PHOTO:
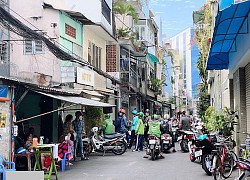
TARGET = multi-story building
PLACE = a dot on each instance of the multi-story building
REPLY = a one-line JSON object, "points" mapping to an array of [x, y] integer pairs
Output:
{"points": [[138, 60], [186, 57], [58, 53], [230, 51]]}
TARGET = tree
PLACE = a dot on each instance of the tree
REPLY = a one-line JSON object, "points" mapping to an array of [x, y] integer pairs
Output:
{"points": [[124, 9], [203, 39]]}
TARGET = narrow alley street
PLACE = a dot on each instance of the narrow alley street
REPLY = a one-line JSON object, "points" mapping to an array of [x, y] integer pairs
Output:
{"points": [[132, 165]]}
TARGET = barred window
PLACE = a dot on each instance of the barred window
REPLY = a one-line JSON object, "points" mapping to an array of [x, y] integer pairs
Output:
{"points": [[33, 47], [106, 11]]}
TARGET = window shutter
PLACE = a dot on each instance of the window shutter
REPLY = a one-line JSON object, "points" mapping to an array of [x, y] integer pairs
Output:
{"points": [[28, 47], [100, 58], [38, 47]]}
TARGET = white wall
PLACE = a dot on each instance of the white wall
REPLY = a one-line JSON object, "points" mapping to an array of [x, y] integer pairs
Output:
{"points": [[28, 67]]}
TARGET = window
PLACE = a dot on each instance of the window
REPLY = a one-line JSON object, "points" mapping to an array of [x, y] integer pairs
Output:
{"points": [[69, 30], [89, 53], [3, 52], [33, 47], [100, 58], [106, 11], [94, 55], [140, 32]]}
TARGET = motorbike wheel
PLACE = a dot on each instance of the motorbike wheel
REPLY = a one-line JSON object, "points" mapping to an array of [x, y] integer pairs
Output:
{"points": [[192, 157], [184, 145], [153, 154], [206, 161], [121, 144], [235, 158]]}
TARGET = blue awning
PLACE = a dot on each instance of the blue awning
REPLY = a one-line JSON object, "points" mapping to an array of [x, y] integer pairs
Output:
{"points": [[152, 58], [229, 23]]}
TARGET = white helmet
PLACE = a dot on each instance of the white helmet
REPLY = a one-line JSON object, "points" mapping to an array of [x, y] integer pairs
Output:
{"points": [[166, 116]]}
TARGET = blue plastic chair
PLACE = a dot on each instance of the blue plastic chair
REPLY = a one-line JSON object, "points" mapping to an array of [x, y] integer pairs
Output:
{"points": [[65, 159], [3, 163]]}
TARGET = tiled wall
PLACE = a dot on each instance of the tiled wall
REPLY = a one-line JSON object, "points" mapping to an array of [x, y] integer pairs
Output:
{"points": [[111, 58]]}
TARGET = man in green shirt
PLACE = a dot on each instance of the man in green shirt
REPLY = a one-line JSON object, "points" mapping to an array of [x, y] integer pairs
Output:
{"points": [[154, 128], [140, 133], [109, 127]]}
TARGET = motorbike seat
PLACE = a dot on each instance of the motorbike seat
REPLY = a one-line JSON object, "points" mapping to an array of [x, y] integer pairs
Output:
{"points": [[218, 144], [243, 145], [112, 136]]}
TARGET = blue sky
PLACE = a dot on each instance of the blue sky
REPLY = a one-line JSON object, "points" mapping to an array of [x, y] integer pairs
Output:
{"points": [[176, 15]]}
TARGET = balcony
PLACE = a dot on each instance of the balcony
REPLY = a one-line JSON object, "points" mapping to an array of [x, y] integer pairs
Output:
{"points": [[129, 77]]}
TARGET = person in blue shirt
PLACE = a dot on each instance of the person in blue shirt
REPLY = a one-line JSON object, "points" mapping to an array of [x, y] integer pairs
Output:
{"points": [[133, 128]]}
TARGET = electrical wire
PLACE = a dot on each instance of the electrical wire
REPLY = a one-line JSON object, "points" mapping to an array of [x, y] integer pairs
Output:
{"points": [[16, 26]]}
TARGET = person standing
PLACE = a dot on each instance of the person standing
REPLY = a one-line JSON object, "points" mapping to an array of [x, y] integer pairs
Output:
{"points": [[140, 133], [185, 123], [124, 124], [78, 125], [133, 128]]}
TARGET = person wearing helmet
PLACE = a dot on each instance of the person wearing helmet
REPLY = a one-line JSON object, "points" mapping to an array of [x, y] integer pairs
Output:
{"points": [[108, 125], [133, 127], [167, 129], [118, 122], [140, 133], [154, 128]]}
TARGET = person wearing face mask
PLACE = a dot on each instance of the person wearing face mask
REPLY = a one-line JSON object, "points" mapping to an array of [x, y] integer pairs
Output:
{"points": [[78, 125]]}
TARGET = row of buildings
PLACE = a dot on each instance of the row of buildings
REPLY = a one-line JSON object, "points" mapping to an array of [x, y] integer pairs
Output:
{"points": [[228, 61], [58, 57]]}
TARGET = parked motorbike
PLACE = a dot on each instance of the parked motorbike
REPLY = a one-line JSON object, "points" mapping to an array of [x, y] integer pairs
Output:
{"points": [[244, 166], [154, 147], [166, 142], [187, 137], [114, 142], [175, 131]]}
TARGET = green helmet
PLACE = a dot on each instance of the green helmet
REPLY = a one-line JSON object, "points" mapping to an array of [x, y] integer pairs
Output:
{"points": [[141, 114], [155, 117], [106, 116]]}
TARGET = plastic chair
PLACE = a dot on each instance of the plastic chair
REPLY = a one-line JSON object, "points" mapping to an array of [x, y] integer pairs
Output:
{"points": [[3, 163], [65, 159]]}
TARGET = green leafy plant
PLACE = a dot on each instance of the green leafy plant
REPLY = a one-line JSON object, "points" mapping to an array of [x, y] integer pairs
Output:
{"points": [[124, 9], [203, 40], [94, 117], [157, 84], [219, 121]]}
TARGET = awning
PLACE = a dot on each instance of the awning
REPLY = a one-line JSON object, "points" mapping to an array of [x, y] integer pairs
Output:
{"points": [[229, 23], [77, 100], [152, 58]]}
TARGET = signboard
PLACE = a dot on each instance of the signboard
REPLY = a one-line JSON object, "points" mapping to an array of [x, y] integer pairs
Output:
{"points": [[85, 77], [67, 74], [3, 91]]}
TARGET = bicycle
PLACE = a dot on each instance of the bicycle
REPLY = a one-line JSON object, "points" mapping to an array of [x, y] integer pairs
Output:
{"points": [[223, 160]]}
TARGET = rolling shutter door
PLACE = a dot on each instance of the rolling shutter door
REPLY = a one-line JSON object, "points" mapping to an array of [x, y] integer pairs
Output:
{"points": [[247, 74]]}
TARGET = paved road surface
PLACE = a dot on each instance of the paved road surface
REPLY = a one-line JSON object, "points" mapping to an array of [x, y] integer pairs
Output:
{"points": [[132, 165]]}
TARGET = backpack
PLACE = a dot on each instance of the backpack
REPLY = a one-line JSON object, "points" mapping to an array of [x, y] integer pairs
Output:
{"points": [[165, 127]]}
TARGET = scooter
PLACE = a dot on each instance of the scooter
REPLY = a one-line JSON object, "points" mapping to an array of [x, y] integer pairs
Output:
{"points": [[114, 143], [186, 140], [166, 142], [175, 131], [244, 166], [154, 147]]}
